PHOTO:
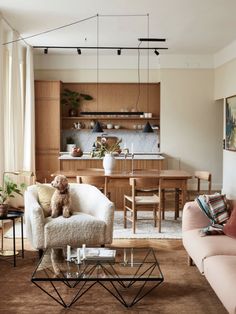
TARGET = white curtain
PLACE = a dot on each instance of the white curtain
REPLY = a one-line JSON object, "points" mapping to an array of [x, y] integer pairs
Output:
{"points": [[14, 110], [1, 105], [29, 127], [16, 104]]}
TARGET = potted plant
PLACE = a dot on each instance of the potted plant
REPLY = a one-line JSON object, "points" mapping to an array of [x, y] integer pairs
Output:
{"points": [[73, 99], [70, 144], [7, 191], [105, 151]]}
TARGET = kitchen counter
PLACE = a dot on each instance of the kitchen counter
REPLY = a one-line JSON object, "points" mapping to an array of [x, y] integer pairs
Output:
{"points": [[137, 156]]}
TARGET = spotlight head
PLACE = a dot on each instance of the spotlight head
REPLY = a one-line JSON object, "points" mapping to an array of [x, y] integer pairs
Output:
{"points": [[119, 52], [45, 51], [79, 51], [156, 52]]}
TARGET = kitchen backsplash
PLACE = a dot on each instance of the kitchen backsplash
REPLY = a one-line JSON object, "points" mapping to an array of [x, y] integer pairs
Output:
{"points": [[142, 142]]}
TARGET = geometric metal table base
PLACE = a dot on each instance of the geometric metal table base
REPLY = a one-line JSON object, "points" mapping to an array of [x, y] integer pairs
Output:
{"points": [[127, 281]]}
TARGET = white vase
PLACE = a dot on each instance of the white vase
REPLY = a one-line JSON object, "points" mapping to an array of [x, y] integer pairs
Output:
{"points": [[108, 163], [70, 147]]}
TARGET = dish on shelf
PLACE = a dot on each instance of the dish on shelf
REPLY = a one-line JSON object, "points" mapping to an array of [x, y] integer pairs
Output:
{"points": [[117, 127]]}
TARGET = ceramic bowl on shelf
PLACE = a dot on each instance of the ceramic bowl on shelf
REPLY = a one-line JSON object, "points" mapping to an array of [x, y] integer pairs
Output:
{"points": [[117, 127], [109, 126]]}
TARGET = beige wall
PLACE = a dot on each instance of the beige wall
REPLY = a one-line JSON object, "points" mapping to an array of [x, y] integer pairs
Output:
{"points": [[225, 86], [191, 122]]}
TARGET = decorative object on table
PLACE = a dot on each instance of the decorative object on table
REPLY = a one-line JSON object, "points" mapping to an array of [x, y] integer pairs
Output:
{"points": [[61, 201], [230, 126], [7, 191], [107, 150], [76, 152], [106, 145], [73, 99], [70, 143]]}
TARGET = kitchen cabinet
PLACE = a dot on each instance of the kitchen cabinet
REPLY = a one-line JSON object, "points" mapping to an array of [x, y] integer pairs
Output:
{"points": [[47, 125]]}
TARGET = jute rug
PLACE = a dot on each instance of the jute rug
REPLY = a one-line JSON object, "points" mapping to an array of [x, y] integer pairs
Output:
{"points": [[171, 228], [184, 290]]}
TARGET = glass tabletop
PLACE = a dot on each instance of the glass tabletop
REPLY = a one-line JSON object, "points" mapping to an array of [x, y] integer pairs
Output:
{"points": [[137, 264]]}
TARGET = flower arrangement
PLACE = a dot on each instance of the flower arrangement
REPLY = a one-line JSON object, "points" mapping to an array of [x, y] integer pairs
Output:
{"points": [[102, 147]]}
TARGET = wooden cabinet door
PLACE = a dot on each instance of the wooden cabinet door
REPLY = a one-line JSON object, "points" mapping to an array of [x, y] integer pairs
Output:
{"points": [[47, 124]]}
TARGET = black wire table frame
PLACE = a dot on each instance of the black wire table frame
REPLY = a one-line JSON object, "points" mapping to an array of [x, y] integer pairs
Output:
{"points": [[141, 282], [13, 215]]}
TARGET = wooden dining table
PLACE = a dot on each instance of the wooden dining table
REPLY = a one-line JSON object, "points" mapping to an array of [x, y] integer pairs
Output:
{"points": [[168, 179]]}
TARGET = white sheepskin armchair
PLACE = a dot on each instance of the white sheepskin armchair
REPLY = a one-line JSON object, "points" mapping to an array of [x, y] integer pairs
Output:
{"points": [[91, 222]]}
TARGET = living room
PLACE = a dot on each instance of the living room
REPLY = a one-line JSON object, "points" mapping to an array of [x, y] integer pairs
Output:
{"points": [[154, 83]]}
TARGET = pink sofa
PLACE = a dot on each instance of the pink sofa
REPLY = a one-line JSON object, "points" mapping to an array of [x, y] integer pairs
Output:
{"points": [[215, 256]]}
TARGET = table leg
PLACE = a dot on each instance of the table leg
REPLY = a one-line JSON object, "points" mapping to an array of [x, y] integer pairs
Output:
{"points": [[22, 238], [14, 241], [176, 203], [184, 192], [2, 238], [106, 186]]}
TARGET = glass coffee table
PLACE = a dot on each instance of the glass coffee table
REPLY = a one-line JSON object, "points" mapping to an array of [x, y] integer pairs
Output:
{"points": [[129, 277]]}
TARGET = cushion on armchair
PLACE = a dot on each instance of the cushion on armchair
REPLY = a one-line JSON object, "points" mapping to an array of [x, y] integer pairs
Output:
{"points": [[45, 193], [230, 226]]}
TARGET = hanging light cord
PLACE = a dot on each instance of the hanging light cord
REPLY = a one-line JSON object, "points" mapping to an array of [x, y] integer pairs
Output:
{"points": [[51, 30], [139, 87], [97, 56], [148, 63]]}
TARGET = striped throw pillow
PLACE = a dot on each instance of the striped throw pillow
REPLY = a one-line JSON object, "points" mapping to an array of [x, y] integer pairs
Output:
{"points": [[218, 207]]}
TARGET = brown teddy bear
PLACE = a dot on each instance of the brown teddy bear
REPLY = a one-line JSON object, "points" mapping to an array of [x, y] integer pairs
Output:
{"points": [[61, 201]]}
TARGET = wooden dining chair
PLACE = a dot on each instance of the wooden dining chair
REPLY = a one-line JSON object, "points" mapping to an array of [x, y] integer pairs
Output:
{"points": [[201, 176], [98, 181], [150, 202]]}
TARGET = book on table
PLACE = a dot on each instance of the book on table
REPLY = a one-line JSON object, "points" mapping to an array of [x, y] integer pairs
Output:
{"points": [[96, 254]]}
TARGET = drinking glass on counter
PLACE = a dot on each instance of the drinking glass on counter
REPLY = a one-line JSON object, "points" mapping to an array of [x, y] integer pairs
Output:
{"points": [[125, 151]]}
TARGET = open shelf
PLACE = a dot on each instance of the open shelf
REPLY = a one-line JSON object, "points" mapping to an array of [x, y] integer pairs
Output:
{"points": [[108, 118]]}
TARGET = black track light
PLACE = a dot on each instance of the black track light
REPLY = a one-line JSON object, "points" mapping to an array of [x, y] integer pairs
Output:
{"points": [[79, 51], [156, 52], [45, 51], [119, 52]]}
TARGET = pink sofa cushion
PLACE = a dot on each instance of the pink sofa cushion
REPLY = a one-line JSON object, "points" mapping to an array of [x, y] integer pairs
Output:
{"points": [[220, 272], [201, 247], [230, 226], [193, 217]]}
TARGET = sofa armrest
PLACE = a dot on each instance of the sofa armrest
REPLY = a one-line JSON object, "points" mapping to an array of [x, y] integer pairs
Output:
{"points": [[35, 220], [193, 217]]}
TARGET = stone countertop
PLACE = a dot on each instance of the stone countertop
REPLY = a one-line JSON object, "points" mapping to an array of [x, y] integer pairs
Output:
{"points": [[137, 156]]}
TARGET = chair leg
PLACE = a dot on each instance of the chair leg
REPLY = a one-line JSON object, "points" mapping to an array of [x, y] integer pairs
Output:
{"points": [[159, 218], [102, 245], [134, 217], [163, 204], [125, 213], [190, 261], [40, 252], [155, 215]]}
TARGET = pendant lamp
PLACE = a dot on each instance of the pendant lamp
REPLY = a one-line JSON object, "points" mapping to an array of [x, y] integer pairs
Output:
{"points": [[147, 128], [97, 128]]}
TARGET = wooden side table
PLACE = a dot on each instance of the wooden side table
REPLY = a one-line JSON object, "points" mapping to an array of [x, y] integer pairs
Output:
{"points": [[13, 215]]}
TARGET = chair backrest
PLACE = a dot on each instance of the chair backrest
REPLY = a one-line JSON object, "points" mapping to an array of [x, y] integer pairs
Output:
{"points": [[99, 182], [43, 176], [203, 175], [144, 185]]}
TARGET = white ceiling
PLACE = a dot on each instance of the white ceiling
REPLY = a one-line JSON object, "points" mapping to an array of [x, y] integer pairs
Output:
{"points": [[190, 26]]}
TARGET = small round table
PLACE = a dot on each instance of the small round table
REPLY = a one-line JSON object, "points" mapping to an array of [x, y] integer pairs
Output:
{"points": [[13, 215]]}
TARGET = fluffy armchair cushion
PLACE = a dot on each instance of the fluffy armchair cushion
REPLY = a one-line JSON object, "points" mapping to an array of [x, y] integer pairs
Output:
{"points": [[45, 193]]}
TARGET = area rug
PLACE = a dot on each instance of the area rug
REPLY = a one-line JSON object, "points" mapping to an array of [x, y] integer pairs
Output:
{"points": [[170, 228], [184, 290]]}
